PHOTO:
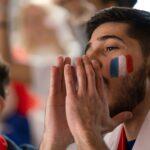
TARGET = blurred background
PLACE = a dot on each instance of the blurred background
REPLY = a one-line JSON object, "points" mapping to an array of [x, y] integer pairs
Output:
{"points": [[32, 34]]}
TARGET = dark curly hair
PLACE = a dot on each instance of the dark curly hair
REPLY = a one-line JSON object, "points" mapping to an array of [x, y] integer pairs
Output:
{"points": [[4, 78]]}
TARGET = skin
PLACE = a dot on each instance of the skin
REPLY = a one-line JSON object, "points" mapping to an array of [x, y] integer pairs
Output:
{"points": [[114, 47], [105, 49], [84, 132], [57, 134], [88, 99], [81, 110]]}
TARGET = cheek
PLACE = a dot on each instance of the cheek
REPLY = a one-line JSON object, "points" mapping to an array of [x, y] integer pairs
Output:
{"points": [[119, 66]]}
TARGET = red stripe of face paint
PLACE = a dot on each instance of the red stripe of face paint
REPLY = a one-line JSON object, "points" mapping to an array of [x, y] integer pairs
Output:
{"points": [[129, 63]]}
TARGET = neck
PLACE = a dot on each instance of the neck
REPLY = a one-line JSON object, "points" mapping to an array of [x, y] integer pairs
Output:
{"points": [[132, 127]]}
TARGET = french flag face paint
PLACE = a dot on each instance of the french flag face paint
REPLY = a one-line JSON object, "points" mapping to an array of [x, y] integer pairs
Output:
{"points": [[121, 66]]}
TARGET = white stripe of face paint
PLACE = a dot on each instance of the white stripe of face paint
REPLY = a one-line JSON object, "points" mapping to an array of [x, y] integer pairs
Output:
{"points": [[122, 66]]}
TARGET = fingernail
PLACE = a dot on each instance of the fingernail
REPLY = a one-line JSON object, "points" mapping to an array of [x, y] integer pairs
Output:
{"points": [[67, 66], [94, 61], [67, 60], [60, 59]]}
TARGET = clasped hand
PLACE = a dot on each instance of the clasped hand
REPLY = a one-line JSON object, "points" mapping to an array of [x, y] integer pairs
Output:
{"points": [[77, 108]]}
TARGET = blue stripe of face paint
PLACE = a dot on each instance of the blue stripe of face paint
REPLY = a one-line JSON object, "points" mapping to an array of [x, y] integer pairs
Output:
{"points": [[114, 67]]}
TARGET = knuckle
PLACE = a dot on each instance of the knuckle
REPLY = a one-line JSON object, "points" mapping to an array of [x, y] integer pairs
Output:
{"points": [[82, 94], [90, 71], [92, 94], [81, 73], [70, 95]]}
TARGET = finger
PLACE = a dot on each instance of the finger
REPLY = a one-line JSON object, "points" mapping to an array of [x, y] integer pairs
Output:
{"points": [[121, 117], [69, 81], [74, 75], [60, 61], [54, 88], [81, 76], [54, 81], [66, 61], [90, 74], [99, 79], [60, 65]]}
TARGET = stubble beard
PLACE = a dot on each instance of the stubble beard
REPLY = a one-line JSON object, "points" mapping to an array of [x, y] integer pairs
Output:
{"points": [[129, 93]]}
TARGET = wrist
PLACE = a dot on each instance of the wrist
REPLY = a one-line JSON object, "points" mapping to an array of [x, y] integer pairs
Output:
{"points": [[91, 140], [50, 142]]}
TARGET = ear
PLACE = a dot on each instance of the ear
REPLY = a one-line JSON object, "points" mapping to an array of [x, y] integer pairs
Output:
{"points": [[2, 104]]}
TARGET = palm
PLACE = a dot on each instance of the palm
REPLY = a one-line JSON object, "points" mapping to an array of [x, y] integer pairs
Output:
{"points": [[87, 107], [56, 123]]}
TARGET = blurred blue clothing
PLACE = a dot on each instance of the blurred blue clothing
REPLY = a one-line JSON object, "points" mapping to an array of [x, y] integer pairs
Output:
{"points": [[13, 146], [130, 144], [17, 129]]}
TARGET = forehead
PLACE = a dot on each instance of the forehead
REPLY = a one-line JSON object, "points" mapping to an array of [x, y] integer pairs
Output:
{"points": [[111, 28]]}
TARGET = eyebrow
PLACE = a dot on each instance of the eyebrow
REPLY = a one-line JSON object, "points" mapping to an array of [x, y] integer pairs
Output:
{"points": [[104, 38]]}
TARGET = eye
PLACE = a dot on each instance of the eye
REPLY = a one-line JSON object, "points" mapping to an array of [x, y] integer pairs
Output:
{"points": [[111, 48]]}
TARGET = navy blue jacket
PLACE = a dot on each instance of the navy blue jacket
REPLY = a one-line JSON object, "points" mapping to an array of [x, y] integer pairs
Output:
{"points": [[13, 146]]}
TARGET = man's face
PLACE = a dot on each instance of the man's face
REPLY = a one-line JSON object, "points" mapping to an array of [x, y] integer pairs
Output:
{"points": [[111, 40]]}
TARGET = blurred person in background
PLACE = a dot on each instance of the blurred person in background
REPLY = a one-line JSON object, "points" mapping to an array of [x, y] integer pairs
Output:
{"points": [[21, 101], [61, 18], [39, 44], [30, 57], [79, 12], [37, 38], [101, 4]]}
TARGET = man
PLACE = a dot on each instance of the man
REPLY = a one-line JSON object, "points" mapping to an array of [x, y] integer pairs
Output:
{"points": [[83, 114], [101, 4], [107, 87]]}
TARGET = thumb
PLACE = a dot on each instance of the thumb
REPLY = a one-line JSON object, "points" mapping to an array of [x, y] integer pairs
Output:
{"points": [[122, 117]]}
